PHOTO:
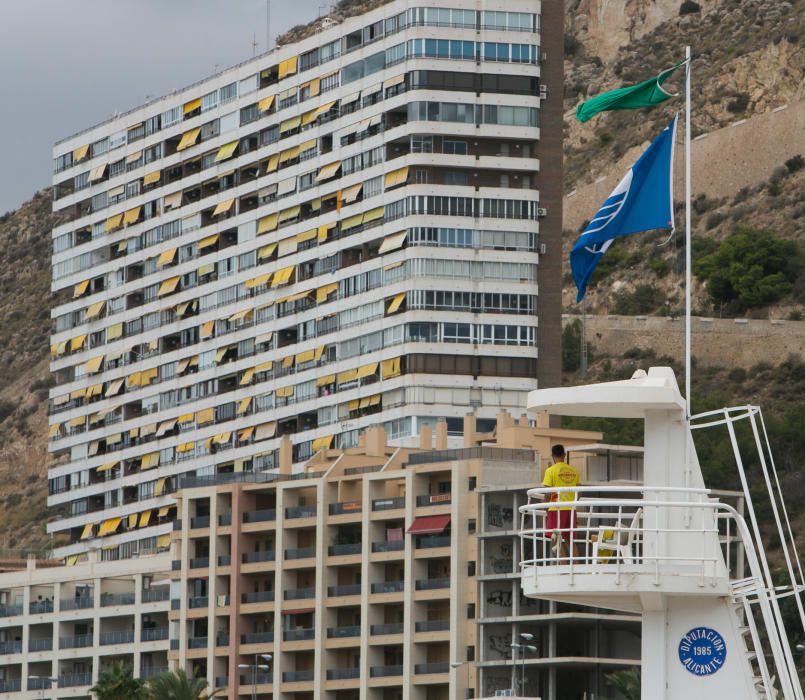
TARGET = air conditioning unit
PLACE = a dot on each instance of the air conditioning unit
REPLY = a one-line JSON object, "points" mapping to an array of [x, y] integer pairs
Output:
{"points": [[543, 92], [541, 211], [543, 249]]}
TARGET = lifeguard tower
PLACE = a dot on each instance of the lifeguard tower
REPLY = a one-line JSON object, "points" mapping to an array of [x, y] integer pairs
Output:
{"points": [[712, 625]]}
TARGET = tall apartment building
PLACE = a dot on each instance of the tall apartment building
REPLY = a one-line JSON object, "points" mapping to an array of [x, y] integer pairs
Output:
{"points": [[361, 227], [380, 572]]}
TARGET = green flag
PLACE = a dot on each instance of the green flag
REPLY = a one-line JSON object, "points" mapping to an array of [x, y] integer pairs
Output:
{"points": [[645, 94]]}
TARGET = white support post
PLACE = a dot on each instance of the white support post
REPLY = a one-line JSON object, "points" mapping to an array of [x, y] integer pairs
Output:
{"points": [[688, 251]]}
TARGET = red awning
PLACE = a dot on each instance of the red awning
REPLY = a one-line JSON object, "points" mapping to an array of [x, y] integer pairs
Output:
{"points": [[299, 611], [429, 525]]}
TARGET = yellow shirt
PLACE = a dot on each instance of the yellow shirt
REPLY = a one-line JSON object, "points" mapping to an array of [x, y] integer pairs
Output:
{"points": [[561, 474]]}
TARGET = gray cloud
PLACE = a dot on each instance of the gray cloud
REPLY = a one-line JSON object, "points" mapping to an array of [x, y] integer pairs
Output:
{"points": [[68, 64]]}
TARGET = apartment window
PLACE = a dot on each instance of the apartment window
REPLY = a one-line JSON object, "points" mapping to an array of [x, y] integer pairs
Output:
{"points": [[228, 93], [455, 177], [454, 147], [172, 116], [471, 653], [152, 125], [470, 568], [471, 525], [329, 82], [209, 101], [421, 176], [330, 51], [249, 114], [249, 84], [470, 611]]}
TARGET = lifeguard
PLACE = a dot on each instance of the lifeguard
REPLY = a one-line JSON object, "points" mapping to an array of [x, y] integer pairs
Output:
{"points": [[562, 520]]}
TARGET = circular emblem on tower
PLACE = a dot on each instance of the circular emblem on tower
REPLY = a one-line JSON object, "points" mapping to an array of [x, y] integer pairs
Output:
{"points": [[702, 651]]}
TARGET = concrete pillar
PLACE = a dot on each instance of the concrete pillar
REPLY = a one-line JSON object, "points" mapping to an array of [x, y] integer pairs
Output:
{"points": [[523, 420], [375, 441], [504, 420], [543, 420], [441, 435], [286, 456], [425, 438], [469, 430]]}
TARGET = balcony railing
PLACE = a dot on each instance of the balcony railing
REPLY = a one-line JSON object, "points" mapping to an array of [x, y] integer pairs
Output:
{"points": [[388, 503], [79, 603], [151, 671], [428, 584], [346, 508], [432, 626], [155, 595], [118, 637], [260, 516], [225, 519], [222, 640], [45, 644], [420, 669], [439, 499], [257, 597], [340, 550], [176, 604], [299, 593], [10, 647], [300, 553], [258, 679], [351, 589], [432, 541], [199, 522], [197, 642], [300, 512], [199, 602], [39, 683], [41, 606], [73, 680], [388, 587], [298, 635], [339, 674], [77, 642], [341, 632], [297, 676], [10, 610], [388, 546], [108, 599], [224, 560], [393, 628], [177, 525], [257, 638], [200, 563], [12, 685], [385, 671], [153, 634], [253, 557]]}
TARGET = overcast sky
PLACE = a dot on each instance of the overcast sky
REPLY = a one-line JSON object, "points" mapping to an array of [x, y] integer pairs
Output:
{"points": [[68, 64]]}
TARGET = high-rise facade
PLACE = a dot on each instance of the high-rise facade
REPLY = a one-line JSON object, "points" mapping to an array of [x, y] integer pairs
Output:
{"points": [[346, 231]]}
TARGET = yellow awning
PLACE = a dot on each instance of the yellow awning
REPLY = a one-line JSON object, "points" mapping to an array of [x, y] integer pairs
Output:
{"points": [[166, 257], [324, 381], [325, 291], [78, 422], [188, 139], [396, 177], [226, 151], [318, 352], [393, 241], [240, 315], [244, 404], [308, 117], [72, 560], [395, 303], [323, 109], [114, 438], [106, 467], [122, 246], [94, 310], [163, 540], [306, 356], [282, 276], [114, 387], [145, 516], [186, 447], [290, 213], [265, 431], [192, 106], [272, 163], [94, 365], [147, 430], [245, 434], [205, 416], [80, 289], [349, 375], [351, 222], [374, 214], [286, 363], [223, 207], [265, 366], [328, 171], [323, 231], [149, 461], [286, 67], [207, 269], [132, 215], [285, 391], [114, 332], [61, 400], [246, 379], [53, 430], [353, 405], [267, 223], [133, 157], [97, 172], [113, 223], [171, 201], [322, 443], [222, 438], [152, 177], [207, 329], [208, 241], [396, 80], [306, 236], [109, 526], [314, 85], [265, 104], [86, 533], [258, 281], [159, 487], [291, 123], [78, 342], [266, 251], [80, 153], [220, 353], [166, 426], [390, 368], [367, 370], [289, 154], [168, 286], [350, 194]]}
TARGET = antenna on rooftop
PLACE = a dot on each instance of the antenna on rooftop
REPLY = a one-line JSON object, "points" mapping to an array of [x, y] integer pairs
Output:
{"points": [[254, 45], [268, 26]]}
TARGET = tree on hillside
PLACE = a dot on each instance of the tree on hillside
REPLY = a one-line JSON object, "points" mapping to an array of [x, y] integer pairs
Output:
{"points": [[119, 683]]}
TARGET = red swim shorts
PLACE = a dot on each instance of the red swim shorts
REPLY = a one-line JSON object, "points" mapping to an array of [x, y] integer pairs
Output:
{"points": [[567, 522]]}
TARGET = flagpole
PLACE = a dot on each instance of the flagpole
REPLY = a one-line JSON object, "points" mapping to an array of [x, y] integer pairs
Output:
{"points": [[688, 249]]}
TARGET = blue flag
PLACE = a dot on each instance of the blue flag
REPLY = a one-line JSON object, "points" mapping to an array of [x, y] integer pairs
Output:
{"points": [[642, 201]]}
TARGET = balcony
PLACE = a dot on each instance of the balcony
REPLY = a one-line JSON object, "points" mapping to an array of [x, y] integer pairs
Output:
{"points": [[257, 597], [177, 525], [300, 512], [199, 602], [300, 553], [393, 628], [439, 499], [421, 669], [221, 681], [10, 647], [341, 550], [151, 671], [197, 642], [155, 595], [225, 519], [222, 639], [260, 516], [299, 594], [429, 584], [432, 541], [253, 557], [74, 680], [12, 685], [352, 589], [79, 603], [10, 610], [385, 671], [388, 587], [432, 626], [200, 563], [297, 676], [45, 644], [257, 638], [174, 644], [388, 503], [176, 565], [388, 546], [201, 521], [108, 599], [340, 674], [341, 632], [77, 642], [298, 635], [153, 634], [346, 508], [119, 637], [256, 679], [37, 683], [224, 560], [176, 604], [40, 607]]}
